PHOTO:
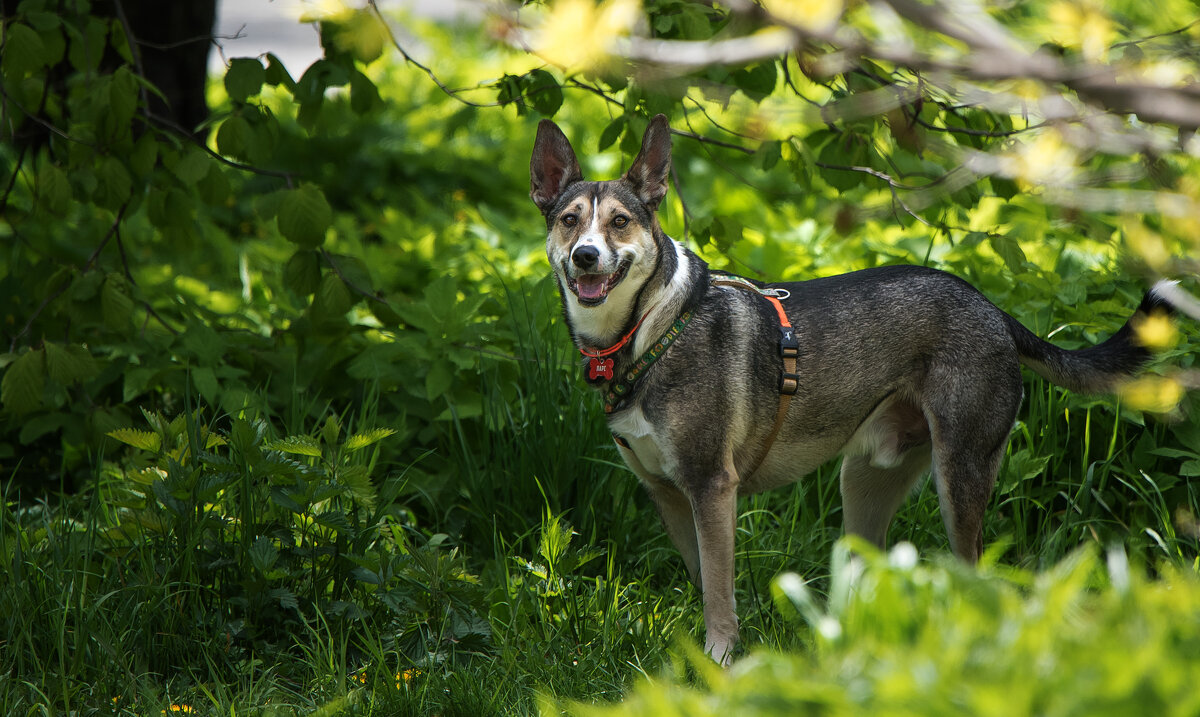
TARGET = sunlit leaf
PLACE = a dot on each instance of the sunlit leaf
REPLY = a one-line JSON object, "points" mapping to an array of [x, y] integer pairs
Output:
{"points": [[296, 445], [362, 34], [362, 440], [578, 33], [143, 440]]}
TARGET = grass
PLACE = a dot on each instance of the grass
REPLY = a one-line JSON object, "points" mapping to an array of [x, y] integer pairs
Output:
{"points": [[537, 577]]}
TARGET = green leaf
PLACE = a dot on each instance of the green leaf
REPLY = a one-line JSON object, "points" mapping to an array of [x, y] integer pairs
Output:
{"points": [[284, 500], [726, 232], [364, 96], [69, 364], [612, 133], [304, 215], [122, 102], [358, 481], [24, 51], [115, 183], [286, 598], [192, 166], [244, 78], [87, 47], [21, 388], [509, 91], [330, 303], [39, 425], [145, 153], [331, 430], [362, 440], [120, 43], [543, 92], [205, 381], [302, 273], [116, 306], [170, 209], [263, 554], [277, 74], [214, 187], [54, 189], [438, 380], [840, 154], [296, 445], [142, 440], [756, 81], [363, 35], [769, 154], [1010, 251], [234, 136]]}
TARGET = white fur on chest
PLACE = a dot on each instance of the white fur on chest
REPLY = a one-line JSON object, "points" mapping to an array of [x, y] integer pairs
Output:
{"points": [[649, 448]]}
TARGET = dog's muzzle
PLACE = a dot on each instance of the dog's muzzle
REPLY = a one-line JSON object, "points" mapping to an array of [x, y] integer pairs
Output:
{"points": [[592, 287]]}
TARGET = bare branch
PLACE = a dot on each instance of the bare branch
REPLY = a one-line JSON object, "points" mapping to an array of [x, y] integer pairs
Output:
{"points": [[993, 54], [413, 61]]}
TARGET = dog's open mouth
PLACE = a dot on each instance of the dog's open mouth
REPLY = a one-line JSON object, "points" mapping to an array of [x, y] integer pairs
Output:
{"points": [[593, 289]]}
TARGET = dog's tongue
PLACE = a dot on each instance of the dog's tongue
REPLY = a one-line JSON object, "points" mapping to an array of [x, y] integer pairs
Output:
{"points": [[591, 286]]}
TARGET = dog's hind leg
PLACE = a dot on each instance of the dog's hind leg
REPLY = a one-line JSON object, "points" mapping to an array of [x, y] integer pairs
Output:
{"points": [[964, 487], [871, 495], [970, 431]]}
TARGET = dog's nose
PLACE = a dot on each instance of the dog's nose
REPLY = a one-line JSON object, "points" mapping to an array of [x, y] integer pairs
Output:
{"points": [[586, 257]]}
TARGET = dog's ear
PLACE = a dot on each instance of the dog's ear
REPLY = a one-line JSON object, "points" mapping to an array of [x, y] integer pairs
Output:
{"points": [[553, 167], [648, 174]]}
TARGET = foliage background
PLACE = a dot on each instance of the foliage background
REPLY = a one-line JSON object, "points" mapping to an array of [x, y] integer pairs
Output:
{"points": [[289, 421]]}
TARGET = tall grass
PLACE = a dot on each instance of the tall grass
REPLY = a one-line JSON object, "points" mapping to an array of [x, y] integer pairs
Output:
{"points": [[545, 576]]}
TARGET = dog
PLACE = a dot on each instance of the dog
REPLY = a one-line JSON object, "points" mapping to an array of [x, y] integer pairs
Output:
{"points": [[717, 386]]}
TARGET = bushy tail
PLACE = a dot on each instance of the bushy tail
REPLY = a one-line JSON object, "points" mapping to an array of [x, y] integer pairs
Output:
{"points": [[1099, 368]]}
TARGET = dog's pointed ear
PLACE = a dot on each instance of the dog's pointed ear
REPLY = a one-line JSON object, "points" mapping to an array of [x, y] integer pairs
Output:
{"points": [[649, 171], [553, 167]]}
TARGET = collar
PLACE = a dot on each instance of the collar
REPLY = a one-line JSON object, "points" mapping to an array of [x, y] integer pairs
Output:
{"points": [[619, 389]]}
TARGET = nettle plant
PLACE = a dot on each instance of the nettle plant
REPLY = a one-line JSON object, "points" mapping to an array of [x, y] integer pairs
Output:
{"points": [[275, 526]]}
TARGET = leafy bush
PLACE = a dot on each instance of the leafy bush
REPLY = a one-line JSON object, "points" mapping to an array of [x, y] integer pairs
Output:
{"points": [[894, 636]]}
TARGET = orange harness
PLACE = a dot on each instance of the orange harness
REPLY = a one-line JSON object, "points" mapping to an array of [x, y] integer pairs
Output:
{"points": [[789, 351]]}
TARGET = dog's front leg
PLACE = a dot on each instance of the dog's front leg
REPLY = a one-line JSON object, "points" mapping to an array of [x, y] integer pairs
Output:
{"points": [[714, 509], [675, 509]]}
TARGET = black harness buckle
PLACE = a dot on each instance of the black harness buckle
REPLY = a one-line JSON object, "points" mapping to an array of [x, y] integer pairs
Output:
{"points": [[789, 347]]}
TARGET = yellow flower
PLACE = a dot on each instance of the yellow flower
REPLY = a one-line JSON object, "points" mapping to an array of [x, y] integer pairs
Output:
{"points": [[403, 678]]}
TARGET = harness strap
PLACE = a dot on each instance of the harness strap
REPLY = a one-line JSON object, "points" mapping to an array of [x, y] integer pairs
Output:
{"points": [[789, 351]]}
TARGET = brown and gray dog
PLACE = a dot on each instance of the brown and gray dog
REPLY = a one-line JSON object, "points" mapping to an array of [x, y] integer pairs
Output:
{"points": [[899, 367]]}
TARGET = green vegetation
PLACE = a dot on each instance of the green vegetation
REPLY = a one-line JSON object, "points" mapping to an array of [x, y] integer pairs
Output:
{"points": [[289, 423]]}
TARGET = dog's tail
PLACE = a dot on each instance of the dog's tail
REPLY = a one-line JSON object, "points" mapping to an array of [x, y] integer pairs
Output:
{"points": [[1099, 368]]}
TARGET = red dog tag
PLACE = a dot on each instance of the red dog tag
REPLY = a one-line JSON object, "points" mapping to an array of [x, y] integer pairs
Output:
{"points": [[600, 368]]}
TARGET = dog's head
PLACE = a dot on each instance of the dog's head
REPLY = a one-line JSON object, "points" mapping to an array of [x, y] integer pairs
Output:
{"points": [[600, 235]]}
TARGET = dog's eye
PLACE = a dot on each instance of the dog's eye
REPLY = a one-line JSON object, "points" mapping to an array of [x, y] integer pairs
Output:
{"points": [[570, 219], [620, 220]]}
